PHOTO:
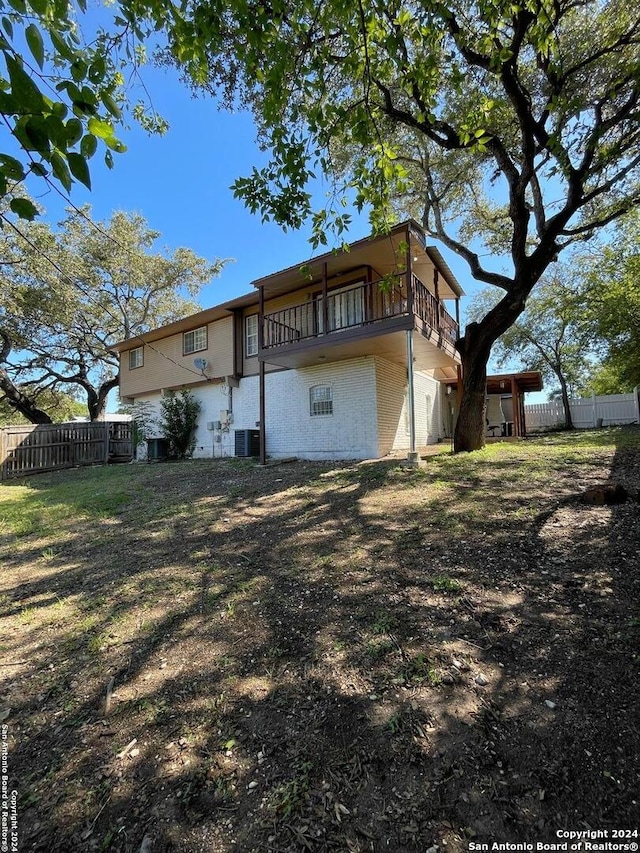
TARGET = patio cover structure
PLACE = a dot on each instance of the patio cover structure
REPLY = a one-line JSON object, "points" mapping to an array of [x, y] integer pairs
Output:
{"points": [[507, 385]]}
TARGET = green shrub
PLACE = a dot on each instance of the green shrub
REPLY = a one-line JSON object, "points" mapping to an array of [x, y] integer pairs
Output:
{"points": [[178, 422]]}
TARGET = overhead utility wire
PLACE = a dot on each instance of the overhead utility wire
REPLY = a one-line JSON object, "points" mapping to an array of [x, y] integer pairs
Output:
{"points": [[69, 280]]}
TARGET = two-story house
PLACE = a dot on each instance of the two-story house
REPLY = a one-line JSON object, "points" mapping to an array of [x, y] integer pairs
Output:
{"points": [[348, 356]]}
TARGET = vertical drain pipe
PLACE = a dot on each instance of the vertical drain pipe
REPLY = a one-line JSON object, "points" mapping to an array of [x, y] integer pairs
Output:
{"points": [[412, 458]]}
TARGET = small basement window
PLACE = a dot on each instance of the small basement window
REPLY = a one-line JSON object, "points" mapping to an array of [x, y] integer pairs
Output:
{"points": [[320, 400], [195, 340], [136, 358]]}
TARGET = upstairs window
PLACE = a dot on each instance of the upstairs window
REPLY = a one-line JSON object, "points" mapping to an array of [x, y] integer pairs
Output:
{"points": [[251, 335], [320, 400], [195, 340], [136, 358]]}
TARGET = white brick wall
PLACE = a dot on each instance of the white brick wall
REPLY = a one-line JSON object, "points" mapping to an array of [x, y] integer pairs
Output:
{"points": [[349, 433], [368, 420]]}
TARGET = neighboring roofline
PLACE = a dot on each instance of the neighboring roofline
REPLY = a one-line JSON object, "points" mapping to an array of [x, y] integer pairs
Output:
{"points": [[193, 321]]}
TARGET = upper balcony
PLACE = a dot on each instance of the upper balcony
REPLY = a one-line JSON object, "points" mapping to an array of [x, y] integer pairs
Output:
{"points": [[373, 306], [366, 319], [362, 302]]}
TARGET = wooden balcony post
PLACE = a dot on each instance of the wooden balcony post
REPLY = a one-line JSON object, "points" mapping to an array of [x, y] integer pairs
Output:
{"points": [[325, 307], [260, 319], [409, 278], [263, 427], [515, 405]]}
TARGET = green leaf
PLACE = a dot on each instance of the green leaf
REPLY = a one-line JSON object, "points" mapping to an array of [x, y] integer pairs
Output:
{"points": [[36, 45], [23, 87], [61, 46], [101, 129], [11, 167], [110, 104], [24, 208], [8, 104], [19, 6], [7, 26], [79, 169], [79, 70], [88, 96], [115, 145], [97, 70], [39, 169], [108, 159], [61, 170], [74, 130], [88, 146], [57, 131], [37, 135], [84, 102], [59, 109]]}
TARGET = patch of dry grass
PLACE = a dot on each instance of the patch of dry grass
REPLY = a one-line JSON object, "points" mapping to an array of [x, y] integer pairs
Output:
{"points": [[322, 656]]}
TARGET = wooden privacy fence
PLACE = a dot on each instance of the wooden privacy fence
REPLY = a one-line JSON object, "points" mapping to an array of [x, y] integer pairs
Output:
{"points": [[31, 449], [586, 412]]}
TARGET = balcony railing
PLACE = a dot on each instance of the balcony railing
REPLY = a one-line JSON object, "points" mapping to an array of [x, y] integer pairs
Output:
{"points": [[432, 312], [355, 307]]}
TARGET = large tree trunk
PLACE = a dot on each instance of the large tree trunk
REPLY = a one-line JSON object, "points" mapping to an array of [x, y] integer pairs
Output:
{"points": [[475, 349], [16, 398], [97, 400], [20, 402], [568, 420], [471, 423]]}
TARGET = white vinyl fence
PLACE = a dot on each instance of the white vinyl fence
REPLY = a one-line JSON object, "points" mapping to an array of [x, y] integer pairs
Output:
{"points": [[586, 412]]}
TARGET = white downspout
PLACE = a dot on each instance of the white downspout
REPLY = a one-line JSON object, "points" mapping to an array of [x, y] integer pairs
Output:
{"points": [[412, 458]]}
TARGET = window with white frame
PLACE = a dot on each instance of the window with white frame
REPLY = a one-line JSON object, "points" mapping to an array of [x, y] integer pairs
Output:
{"points": [[320, 400], [136, 358], [251, 335], [195, 340]]}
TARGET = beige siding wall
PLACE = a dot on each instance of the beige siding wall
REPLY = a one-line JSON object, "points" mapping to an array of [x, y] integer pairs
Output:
{"points": [[166, 367], [250, 366], [307, 291], [393, 420], [391, 385]]}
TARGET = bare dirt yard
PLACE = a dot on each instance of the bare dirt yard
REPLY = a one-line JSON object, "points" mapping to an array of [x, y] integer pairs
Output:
{"points": [[213, 656]]}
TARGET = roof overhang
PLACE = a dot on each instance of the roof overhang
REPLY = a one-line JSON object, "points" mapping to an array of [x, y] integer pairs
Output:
{"points": [[386, 254], [193, 321], [529, 380]]}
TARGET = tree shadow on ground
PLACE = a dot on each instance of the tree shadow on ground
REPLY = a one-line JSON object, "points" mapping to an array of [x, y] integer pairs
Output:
{"points": [[326, 657]]}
